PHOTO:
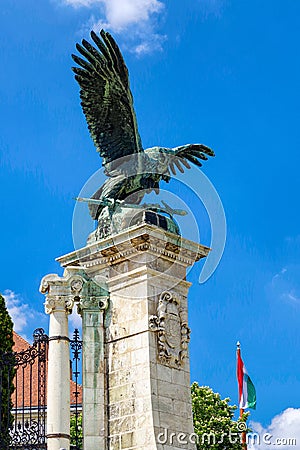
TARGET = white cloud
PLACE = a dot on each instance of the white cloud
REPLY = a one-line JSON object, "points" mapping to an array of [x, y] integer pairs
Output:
{"points": [[135, 19], [285, 285], [283, 432], [122, 13], [279, 275], [292, 296], [26, 318], [21, 313]]}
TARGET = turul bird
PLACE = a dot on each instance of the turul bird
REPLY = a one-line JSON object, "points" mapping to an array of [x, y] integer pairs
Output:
{"points": [[107, 103]]}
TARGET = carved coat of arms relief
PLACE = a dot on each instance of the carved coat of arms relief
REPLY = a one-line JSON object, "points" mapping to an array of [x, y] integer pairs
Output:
{"points": [[173, 333]]}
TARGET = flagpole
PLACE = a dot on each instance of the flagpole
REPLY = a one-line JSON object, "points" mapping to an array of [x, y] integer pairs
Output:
{"points": [[244, 437]]}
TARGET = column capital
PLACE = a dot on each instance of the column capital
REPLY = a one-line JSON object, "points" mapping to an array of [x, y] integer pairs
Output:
{"points": [[61, 292], [58, 303], [93, 303], [68, 284]]}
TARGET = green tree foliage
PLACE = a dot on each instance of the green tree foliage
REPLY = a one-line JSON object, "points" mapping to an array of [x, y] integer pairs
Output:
{"points": [[73, 430], [213, 420], [7, 373]]}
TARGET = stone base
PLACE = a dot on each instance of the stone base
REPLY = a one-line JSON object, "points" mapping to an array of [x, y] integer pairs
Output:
{"points": [[144, 369], [148, 365]]}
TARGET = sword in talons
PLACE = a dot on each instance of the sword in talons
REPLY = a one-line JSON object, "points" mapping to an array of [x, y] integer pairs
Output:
{"points": [[95, 201]]}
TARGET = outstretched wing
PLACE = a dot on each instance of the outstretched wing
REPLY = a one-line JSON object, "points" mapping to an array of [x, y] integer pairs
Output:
{"points": [[183, 155], [106, 98]]}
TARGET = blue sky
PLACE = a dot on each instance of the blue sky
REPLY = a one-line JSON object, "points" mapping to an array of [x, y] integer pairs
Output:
{"points": [[221, 72]]}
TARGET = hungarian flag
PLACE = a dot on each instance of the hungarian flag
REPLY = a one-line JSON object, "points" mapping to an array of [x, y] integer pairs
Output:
{"points": [[247, 393]]}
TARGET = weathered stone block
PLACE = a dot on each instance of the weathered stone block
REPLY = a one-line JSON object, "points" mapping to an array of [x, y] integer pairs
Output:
{"points": [[128, 440]]}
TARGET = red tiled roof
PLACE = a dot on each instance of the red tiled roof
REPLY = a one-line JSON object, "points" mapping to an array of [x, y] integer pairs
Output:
{"points": [[27, 377]]}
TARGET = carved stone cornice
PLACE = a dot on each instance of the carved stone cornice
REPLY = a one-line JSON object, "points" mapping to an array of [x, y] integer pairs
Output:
{"points": [[173, 333], [144, 238], [145, 242]]}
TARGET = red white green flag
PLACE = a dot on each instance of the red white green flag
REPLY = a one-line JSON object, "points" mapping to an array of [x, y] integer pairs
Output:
{"points": [[247, 393]]}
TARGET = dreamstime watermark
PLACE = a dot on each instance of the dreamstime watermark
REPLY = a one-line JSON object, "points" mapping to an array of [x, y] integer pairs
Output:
{"points": [[167, 437]]}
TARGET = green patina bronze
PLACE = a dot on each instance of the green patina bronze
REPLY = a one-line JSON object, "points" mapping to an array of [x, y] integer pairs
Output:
{"points": [[107, 103]]}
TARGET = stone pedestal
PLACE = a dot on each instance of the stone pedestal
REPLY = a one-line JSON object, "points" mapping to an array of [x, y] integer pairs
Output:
{"points": [[137, 363]]}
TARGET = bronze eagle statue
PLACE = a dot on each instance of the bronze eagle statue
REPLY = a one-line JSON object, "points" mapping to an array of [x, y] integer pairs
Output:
{"points": [[107, 103]]}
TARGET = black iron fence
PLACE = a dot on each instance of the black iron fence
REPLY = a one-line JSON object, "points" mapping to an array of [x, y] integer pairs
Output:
{"points": [[23, 401], [23, 410], [76, 408]]}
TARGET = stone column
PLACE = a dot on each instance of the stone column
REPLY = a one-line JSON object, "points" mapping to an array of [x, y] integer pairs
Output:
{"points": [[147, 400], [60, 295], [93, 371]]}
